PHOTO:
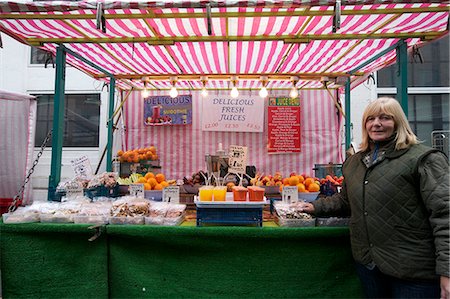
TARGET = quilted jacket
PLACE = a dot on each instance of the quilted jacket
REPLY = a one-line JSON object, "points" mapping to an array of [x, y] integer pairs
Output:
{"points": [[399, 211]]}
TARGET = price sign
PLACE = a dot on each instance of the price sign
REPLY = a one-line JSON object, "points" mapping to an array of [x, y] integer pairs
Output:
{"points": [[137, 190], [74, 191], [289, 194], [171, 194], [237, 159], [82, 167]]}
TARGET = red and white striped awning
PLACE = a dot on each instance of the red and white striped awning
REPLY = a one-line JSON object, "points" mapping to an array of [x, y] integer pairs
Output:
{"points": [[277, 39]]}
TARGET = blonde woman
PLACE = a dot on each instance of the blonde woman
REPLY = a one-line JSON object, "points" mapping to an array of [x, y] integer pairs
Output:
{"points": [[396, 192]]}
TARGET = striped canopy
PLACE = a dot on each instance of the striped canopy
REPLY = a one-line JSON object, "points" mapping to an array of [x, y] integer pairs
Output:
{"points": [[192, 43]]}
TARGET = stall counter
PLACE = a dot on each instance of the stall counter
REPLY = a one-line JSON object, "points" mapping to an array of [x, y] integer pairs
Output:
{"points": [[57, 260]]}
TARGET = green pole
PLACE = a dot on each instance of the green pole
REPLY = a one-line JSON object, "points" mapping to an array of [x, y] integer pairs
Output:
{"points": [[402, 75], [112, 87], [58, 122], [348, 136]]}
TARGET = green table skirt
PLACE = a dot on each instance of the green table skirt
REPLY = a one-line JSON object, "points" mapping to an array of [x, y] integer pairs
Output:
{"points": [[57, 260]]}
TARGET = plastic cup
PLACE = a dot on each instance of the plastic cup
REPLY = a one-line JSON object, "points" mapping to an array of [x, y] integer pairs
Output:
{"points": [[255, 193], [239, 193], [220, 193], [156, 111], [205, 193]]}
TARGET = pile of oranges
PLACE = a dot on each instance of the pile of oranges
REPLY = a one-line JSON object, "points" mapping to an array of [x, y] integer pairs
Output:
{"points": [[304, 183], [153, 182], [137, 155]]}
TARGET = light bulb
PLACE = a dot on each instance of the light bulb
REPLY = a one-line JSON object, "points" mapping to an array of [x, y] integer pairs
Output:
{"points": [[263, 92], [234, 92], [173, 92], [294, 93], [145, 92], [204, 92]]}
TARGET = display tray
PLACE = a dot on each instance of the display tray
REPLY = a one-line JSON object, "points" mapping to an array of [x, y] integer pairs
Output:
{"points": [[229, 203], [295, 222]]}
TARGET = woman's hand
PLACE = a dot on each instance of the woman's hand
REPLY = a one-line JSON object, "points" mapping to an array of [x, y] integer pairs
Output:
{"points": [[445, 287], [309, 208]]}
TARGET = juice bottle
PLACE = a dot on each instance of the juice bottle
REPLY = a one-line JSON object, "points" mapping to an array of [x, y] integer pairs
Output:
{"points": [[205, 193], [220, 192]]}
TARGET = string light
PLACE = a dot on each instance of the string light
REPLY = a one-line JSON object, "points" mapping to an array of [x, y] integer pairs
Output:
{"points": [[204, 92], [294, 92], [145, 92], [234, 91], [263, 93], [173, 93]]}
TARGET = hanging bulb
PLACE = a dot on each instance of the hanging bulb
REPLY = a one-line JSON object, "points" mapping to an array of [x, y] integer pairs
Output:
{"points": [[234, 92], [204, 92], [145, 92], [173, 92], [294, 93], [263, 92]]}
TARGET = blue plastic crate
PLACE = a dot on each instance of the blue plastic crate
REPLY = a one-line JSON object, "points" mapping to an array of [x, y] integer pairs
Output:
{"points": [[231, 216]]}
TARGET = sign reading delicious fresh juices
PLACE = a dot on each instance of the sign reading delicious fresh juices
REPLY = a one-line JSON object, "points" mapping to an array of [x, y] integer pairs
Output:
{"points": [[284, 125]]}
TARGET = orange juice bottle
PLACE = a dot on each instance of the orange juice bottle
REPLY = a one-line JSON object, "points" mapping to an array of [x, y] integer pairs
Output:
{"points": [[205, 193], [220, 192]]}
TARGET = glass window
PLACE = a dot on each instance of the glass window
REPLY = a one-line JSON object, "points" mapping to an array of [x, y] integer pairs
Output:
{"points": [[433, 72], [81, 119], [38, 56]]}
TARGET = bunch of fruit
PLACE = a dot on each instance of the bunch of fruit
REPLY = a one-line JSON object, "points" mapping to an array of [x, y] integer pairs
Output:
{"points": [[267, 180], [304, 183], [136, 155], [150, 181], [334, 180], [198, 178]]}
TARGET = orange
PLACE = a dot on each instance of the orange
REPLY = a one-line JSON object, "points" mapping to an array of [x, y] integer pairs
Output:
{"points": [[293, 181], [158, 187], [120, 153], [301, 187], [160, 177], [141, 180], [301, 179], [149, 175], [313, 187], [308, 181], [152, 182], [286, 181], [155, 157], [147, 186], [152, 149], [164, 184]]}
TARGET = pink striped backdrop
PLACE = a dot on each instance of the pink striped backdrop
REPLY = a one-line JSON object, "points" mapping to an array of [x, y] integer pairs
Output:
{"points": [[17, 120], [182, 149]]}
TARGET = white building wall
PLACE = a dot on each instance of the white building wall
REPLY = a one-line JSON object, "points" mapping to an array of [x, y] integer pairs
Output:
{"points": [[18, 75]]}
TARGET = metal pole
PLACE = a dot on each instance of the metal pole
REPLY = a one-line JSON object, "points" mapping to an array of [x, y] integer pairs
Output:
{"points": [[58, 122], [347, 115], [402, 75], [112, 87]]}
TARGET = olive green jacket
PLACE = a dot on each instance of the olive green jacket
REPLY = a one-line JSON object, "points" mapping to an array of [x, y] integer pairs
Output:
{"points": [[399, 209]]}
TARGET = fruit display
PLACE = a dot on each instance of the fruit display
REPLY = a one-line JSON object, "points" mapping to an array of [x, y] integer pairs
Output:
{"points": [[267, 180], [150, 180], [137, 155], [304, 182], [197, 178]]}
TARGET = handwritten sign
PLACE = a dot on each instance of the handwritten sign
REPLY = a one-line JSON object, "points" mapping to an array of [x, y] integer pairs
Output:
{"points": [[237, 159], [289, 194], [171, 194], [283, 125], [73, 190], [137, 190], [242, 114], [82, 167]]}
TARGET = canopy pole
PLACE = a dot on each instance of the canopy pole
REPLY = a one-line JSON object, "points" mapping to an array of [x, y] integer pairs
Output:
{"points": [[112, 87], [58, 122], [402, 75], [347, 113]]}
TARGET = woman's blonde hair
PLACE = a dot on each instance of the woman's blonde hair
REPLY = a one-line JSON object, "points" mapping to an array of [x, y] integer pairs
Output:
{"points": [[404, 136]]}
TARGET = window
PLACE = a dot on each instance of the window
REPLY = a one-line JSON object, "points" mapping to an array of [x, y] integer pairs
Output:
{"points": [[81, 119], [38, 56]]}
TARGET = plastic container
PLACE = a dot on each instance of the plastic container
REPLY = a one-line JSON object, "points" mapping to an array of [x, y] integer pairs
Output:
{"points": [[322, 170], [240, 193], [255, 193], [155, 195], [219, 193], [205, 193], [308, 196]]}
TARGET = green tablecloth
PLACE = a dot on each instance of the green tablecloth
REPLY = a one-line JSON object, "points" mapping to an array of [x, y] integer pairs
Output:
{"points": [[162, 262]]}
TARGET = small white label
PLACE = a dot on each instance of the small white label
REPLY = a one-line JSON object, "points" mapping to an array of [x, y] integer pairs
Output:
{"points": [[137, 190], [289, 194], [74, 191], [82, 167], [237, 159], [171, 194]]}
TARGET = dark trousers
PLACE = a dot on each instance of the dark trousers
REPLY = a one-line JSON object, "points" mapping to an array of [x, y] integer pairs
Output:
{"points": [[379, 285]]}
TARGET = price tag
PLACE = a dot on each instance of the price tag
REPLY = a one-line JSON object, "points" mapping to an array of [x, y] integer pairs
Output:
{"points": [[137, 190], [237, 159], [289, 194], [82, 167], [74, 191], [171, 194]]}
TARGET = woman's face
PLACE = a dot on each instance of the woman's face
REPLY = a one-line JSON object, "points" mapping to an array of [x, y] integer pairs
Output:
{"points": [[380, 127]]}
